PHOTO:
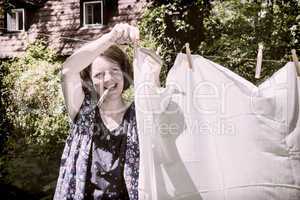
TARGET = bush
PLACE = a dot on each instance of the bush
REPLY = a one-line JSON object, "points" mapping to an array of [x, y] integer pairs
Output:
{"points": [[35, 107]]}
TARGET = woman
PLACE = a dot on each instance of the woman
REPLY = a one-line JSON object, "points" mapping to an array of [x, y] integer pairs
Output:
{"points": [[101, 155]]}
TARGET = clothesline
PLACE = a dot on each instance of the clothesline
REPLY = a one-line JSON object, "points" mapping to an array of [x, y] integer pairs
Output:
{"points": [[248, 59], [208, 56]]}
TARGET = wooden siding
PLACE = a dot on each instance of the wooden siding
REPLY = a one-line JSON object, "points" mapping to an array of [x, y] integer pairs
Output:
{"points": [[59, 22], [1, 16]]}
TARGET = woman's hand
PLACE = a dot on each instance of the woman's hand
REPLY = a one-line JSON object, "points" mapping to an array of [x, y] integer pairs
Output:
{"points": [[124, 33]]}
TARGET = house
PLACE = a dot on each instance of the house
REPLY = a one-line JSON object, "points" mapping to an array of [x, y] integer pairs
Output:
{"points": [[64, 24]]}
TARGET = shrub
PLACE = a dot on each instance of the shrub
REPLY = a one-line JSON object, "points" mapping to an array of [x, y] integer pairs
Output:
{"points": [[35, 108]]}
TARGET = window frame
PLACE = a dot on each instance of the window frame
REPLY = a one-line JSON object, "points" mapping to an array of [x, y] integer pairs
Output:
{"points": [[16, 10], [84, 13]]}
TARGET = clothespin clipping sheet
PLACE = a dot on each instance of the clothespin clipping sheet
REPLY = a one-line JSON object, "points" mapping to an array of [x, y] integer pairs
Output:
{"points": [[259, 60], [189, 56], [296, 61]]}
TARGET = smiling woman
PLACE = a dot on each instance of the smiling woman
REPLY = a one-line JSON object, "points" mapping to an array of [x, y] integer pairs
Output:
{"points": [[101, 155], [112, 62]]}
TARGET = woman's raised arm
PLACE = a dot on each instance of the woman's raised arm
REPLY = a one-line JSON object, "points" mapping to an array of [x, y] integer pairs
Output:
{"points": [[81, 58]]}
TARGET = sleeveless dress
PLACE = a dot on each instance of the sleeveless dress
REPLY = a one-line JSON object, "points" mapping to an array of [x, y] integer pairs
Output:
{"points": [[105, 174], [97, 163]]}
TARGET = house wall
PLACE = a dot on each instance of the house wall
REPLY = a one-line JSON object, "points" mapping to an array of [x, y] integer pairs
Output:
{"points": [[1, 16], [60, 24]]}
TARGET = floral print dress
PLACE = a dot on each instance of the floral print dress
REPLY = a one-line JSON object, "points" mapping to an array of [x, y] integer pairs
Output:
{"points": [[97, 163]]}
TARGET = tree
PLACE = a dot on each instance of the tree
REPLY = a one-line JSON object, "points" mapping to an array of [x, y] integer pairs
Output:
{"points": [[229, 29]]}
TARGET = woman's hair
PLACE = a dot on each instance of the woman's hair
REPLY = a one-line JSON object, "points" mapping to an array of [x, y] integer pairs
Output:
{"points": [[115, 54]]}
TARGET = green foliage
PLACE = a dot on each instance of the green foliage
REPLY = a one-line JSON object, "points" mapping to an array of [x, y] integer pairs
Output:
{"points": [[235, 29], [34, 106], [230, 29], [4, 123], [168, 25], [37, 108]]}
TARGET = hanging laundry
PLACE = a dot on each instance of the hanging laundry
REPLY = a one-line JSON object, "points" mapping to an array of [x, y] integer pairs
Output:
{"points": [[210, 134]]}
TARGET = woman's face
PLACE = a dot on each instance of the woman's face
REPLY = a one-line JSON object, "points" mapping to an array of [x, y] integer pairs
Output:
{"points": [[107, 74]]}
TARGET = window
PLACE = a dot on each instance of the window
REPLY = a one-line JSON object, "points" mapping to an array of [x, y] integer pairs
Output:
{"points": [[16, 20], [92, 13]]}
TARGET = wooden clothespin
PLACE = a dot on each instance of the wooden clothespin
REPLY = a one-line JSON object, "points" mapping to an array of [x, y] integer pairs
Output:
{"points": [[259, 60], [189, 56], [158, 50], [296, 61]]}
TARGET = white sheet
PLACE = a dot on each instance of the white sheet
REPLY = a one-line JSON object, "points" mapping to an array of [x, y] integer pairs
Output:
{"points": [[211, 134]]}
